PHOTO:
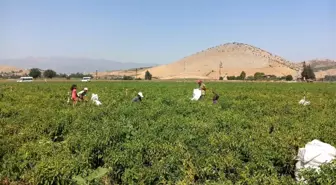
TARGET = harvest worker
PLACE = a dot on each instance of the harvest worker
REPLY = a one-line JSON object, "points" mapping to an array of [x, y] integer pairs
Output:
{"points": [[74, 96], [138, 97], [202, 87], [215, 97], [83, 93]]}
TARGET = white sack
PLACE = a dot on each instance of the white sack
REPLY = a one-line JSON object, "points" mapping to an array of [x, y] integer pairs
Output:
{"points": [[94, 98], [196, 94], [314, 154]]}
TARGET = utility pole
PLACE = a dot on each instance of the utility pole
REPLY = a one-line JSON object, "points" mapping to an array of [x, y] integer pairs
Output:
{"points": [[184, 71], [96, 74], [136, 72], [220, 69]]}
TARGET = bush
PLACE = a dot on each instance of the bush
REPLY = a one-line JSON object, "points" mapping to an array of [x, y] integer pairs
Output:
{"points": [[250, 78], [231, 78], [128, 78], [289, 78], [79, 75], [259, 75], [330, 78]]}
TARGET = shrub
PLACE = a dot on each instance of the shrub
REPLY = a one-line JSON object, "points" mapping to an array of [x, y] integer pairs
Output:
{"points": [[128, 78], [289, 78], [259, 75]]}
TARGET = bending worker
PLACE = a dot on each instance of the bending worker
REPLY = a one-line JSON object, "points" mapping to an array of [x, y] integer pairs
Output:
{"points": [[82, 94], [138, 98], [202, 87], [215, 97]]}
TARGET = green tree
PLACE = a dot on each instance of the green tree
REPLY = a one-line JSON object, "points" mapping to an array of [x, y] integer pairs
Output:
{"points": [[128, 78], [259, 75], [242, 75], [307, 72], [49, 73], [289, 78], [231, 78], [79, 75], [148, 75], [62, 75], [250, 78], [35, 73], [311, 74], [304, 73]]}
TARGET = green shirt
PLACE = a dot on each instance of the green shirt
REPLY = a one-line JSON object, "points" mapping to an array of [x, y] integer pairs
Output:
{"points": [[81, 93], [203, 88]]}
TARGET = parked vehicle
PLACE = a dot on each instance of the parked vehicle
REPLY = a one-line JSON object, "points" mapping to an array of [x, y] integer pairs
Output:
{"points": [[25, 79], [86, 79]]}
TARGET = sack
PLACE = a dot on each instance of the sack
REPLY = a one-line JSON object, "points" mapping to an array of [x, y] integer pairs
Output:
{"points": [[313, 155], [97, 102], [196, 94], [94, 98]]}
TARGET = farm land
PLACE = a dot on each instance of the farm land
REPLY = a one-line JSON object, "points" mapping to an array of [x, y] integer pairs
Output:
{"points": [[250, 137]]}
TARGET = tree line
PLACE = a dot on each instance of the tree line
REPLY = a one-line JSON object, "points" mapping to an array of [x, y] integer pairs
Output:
{"points": [[258, 76], [306, 74], [49, 73]]}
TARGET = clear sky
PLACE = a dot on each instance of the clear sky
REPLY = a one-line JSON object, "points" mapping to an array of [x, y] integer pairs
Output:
{"points": [[163, 31]]}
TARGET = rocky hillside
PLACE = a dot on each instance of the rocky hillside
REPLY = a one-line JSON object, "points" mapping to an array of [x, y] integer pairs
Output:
{"points": [[322, 64], [227, 59], [322, 67], [9, 71]]}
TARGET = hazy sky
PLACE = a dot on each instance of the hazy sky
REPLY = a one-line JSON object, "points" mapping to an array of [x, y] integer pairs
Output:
{"points": [[163, 31]]}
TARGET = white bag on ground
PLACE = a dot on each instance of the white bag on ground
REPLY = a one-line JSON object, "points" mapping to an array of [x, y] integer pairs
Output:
{"points": [[314, 154], [94, 98], [196, 94]]}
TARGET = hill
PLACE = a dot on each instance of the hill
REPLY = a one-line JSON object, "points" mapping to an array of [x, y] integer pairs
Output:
{"points": [[8, 71], [323, 67], [322, 64], [233, 57]]}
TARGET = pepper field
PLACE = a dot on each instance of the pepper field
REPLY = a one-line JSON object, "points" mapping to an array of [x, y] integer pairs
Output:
{"points": [[250, 137]]}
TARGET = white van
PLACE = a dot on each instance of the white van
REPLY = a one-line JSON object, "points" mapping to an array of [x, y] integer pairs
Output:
{"points": [[25, 79], [86, 79]]}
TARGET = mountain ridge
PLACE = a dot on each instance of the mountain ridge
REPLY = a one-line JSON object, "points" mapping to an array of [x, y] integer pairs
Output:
{"points": [[70, 64]]}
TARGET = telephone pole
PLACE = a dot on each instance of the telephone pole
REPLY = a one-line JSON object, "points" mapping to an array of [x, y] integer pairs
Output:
{"points": [[184, 71], [136, 72], [96, 74], [220, 69]]}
